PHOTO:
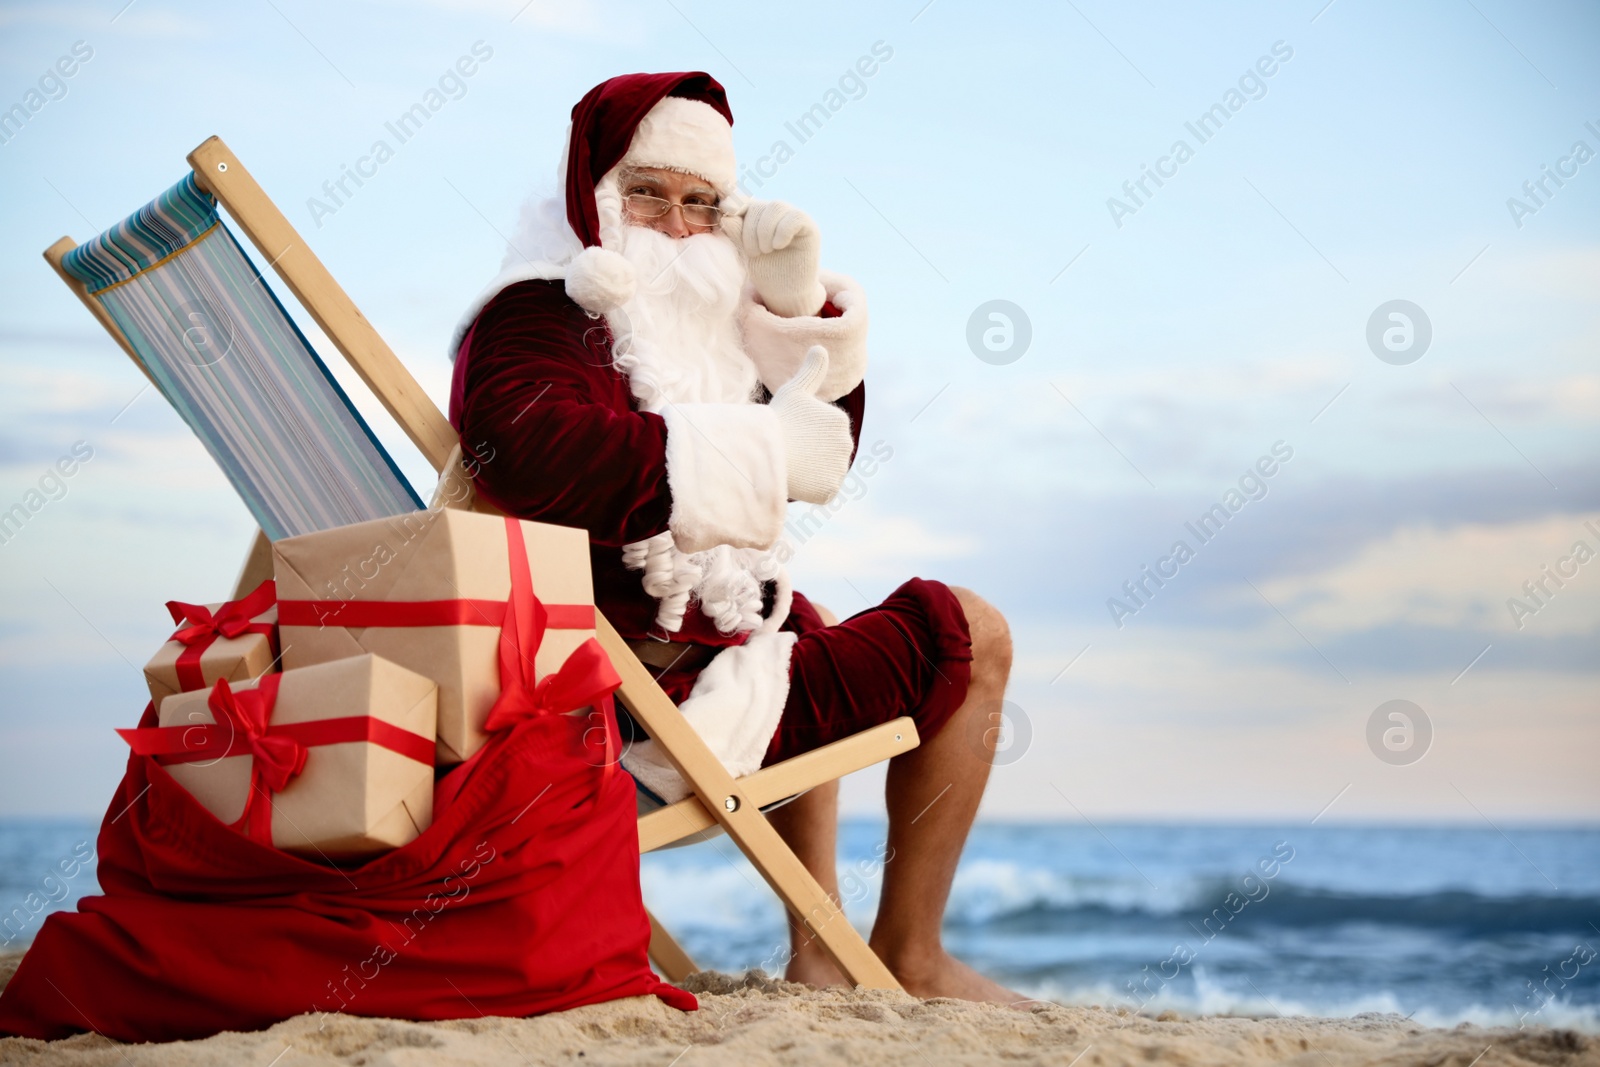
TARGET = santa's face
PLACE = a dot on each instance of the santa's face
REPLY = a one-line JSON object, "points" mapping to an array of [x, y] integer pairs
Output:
{"points": [[678, 337], [668, 201]]}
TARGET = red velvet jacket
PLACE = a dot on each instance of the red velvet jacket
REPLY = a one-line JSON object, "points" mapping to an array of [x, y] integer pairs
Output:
{"points": [[558, 438]]}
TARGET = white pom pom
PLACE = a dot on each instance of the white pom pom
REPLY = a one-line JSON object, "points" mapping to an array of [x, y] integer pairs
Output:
{"points": [[600, 280]]}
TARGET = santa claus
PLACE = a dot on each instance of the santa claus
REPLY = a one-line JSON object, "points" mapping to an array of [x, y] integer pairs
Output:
{"points": [[662, 363]]}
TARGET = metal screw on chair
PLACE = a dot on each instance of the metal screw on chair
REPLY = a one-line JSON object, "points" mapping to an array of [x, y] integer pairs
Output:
{"points": [[731, 803], [897, 737], [222, 166]]}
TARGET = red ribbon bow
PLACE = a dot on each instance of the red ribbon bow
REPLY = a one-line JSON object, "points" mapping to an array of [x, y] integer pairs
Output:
{"points": [[586, 678], [247, 714], [277, 759], [233, 619], [241, 727]]}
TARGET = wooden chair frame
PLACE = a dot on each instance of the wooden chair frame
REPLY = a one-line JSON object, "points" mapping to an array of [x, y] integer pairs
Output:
{"points": [[717, 798]]}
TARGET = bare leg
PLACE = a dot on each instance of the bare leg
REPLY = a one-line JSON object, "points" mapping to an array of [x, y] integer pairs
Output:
{"points": [[933, 793], [810, 826]]}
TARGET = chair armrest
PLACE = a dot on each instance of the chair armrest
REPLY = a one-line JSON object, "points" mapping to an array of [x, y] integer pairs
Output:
{"points": [[689, 815]]}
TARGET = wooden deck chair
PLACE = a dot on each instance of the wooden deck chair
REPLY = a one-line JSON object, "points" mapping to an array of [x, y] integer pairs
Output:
{"points": [[173, 287]]}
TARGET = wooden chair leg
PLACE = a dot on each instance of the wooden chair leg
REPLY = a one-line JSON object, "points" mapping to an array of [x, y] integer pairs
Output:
{"points": [[674, 963], [742, 819]]}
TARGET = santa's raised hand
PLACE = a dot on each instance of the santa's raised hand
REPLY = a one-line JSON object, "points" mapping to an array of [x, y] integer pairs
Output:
{"points": [[816, 434], [782, 249]]}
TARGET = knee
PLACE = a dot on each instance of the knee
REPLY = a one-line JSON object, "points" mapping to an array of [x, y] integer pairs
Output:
{"points": [[991, 634]]}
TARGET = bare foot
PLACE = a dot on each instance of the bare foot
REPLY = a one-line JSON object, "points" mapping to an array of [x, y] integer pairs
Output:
{"points": [[942, 975], [813, 967]]}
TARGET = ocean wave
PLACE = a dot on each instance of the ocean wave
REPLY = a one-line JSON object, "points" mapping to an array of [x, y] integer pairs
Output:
{"points": [[1002, 896], [1451, 910], [988, 891], [1208, 995], [1286, 904]]}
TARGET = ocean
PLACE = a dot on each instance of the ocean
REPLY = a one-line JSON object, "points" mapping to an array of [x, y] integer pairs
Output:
{"points": [[1445, 925], [1441, 924]]}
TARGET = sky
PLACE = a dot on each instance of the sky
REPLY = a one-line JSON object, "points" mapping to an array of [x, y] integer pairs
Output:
{"points": [[1073, 360]]}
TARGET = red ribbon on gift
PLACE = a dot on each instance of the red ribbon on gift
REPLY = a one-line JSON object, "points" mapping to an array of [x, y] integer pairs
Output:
{"points": [[233, 619], [243, 727], [586, 678], [357, 614]]}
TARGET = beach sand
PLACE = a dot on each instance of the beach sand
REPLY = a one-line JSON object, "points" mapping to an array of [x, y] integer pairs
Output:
{"points": [[754, 1020]]}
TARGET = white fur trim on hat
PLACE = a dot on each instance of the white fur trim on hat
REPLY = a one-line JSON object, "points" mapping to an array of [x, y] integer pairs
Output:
{"points": [[599, 280], [778, 345], [687, 135]]}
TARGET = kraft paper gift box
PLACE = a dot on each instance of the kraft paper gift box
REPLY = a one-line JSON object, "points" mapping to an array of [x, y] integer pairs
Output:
{"points": [[364, 728], [207, 654], [375, 587]]}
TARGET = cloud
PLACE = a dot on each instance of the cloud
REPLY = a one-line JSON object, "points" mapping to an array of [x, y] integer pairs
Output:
{"points": [[57, 390], [890, 546], [1456, 578], [1567, 273], [1444, 550], [138, 20], [1177, 424], [1572, 397]]}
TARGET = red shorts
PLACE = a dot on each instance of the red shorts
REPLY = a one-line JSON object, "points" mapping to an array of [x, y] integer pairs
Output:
{"points": [[910, 655]]}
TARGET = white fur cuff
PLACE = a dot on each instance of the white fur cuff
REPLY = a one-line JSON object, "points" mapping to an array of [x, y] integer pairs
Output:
{"points": [[728, 475], [734, 707], [777, 345]]}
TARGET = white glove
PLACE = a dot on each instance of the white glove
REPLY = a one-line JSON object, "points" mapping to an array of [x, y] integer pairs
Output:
{"points": [[782, 248], [816, 435]]}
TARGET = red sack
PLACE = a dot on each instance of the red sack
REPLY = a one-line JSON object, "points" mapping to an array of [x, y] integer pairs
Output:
{"points": [[521, 898]]}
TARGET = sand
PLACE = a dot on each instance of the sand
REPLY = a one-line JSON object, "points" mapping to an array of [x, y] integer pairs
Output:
{"points": [[755, 1020]]}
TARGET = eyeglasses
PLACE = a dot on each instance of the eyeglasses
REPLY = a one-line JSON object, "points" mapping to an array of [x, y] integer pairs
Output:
{"points": [[653, 207]]}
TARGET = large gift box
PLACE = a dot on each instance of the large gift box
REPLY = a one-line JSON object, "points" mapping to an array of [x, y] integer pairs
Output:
{"points": [[330, 760], [234, 641], [430, 591]]}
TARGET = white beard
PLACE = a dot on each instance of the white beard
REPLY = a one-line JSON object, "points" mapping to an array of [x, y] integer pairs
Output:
{"points": [[678, 341]]}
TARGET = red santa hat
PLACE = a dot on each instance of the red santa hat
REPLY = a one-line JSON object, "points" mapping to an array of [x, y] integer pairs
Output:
{"points": [[677, 121]]}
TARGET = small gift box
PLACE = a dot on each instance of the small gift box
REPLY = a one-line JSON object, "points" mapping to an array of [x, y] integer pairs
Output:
{"points": [[236, 641], [493, 609], [331, 760]]}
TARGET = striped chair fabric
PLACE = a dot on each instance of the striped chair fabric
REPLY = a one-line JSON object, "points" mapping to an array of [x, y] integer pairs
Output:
{"points": [[220, 347]]}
